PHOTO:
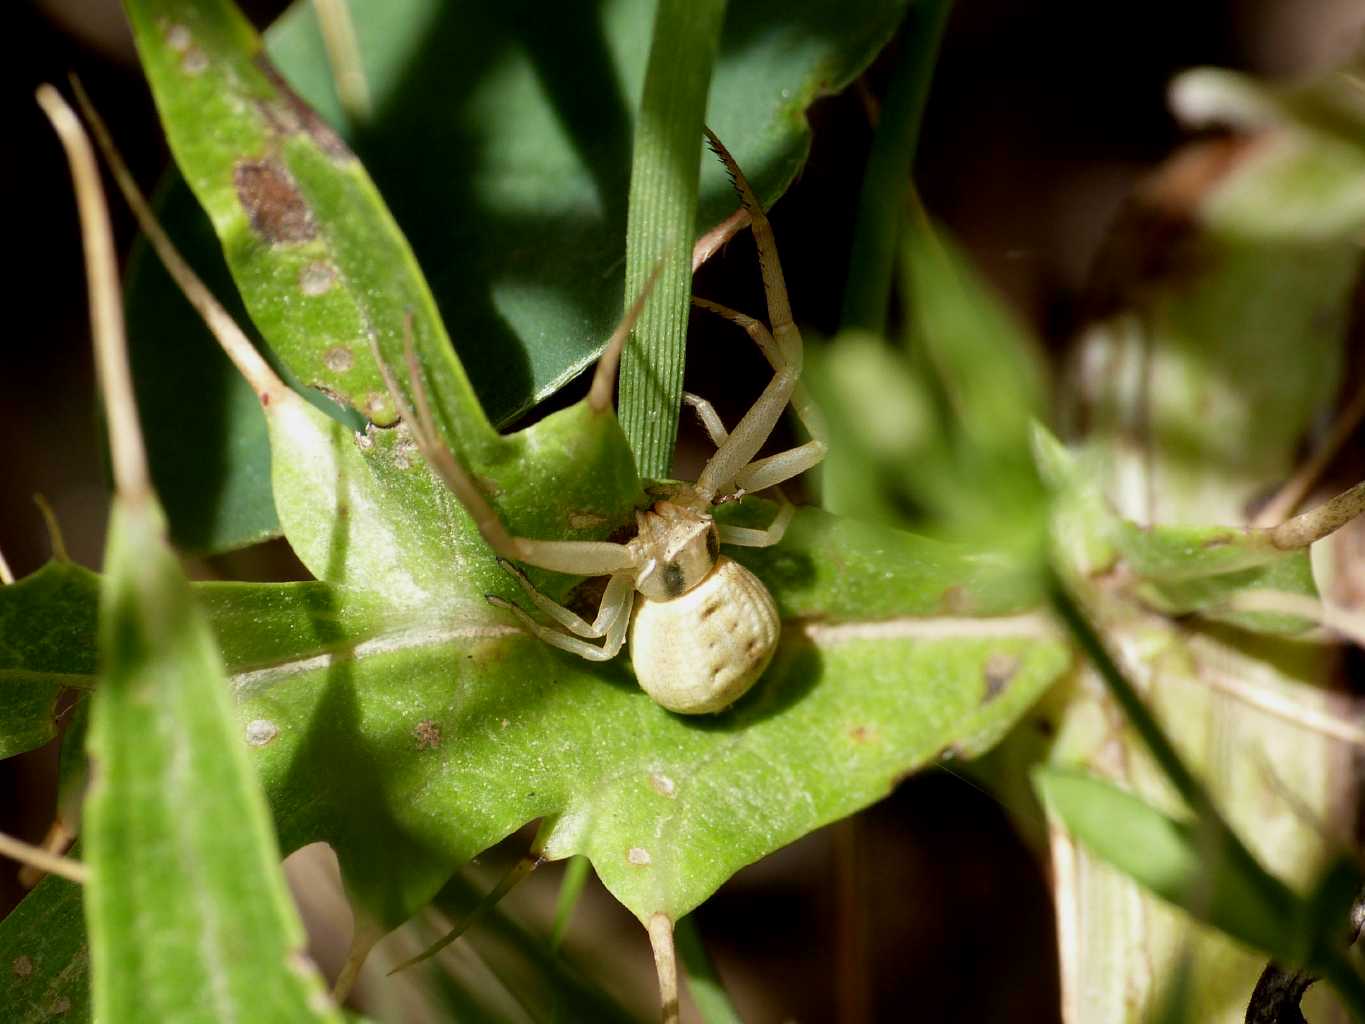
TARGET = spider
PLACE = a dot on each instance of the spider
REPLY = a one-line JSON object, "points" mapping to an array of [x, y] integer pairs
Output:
{"points": [[702, 628]]}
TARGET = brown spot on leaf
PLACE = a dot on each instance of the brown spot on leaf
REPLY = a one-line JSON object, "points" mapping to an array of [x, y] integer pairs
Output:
{"points": [[278, 211], [338, 359], [375, 404], [317, 278], [428, 734], [639, 856], [289, 115], [178, 38], [1000, 669], [260, 731], [22, 967], [863, 734], [956, 600], [194, 62], [662, 784]]}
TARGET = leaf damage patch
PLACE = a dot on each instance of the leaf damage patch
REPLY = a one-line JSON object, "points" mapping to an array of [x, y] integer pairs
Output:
{"points": [[289, 115], [279, 214]]}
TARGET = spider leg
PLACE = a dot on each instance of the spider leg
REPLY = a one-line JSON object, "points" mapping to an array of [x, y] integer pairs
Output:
{"points": [[710, 419], [747, 537], [615, 634], [802, 404], [774, 469], [782, 348], [580, 558], [611, 606]]}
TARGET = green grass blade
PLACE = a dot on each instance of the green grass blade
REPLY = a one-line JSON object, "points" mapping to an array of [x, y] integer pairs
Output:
{"points": [[703, 982], [576, 872], [886, 183], [663, 208]]}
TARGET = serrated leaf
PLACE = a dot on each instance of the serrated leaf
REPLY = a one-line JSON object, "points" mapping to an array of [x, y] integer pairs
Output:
{"points": [[188, 913], [429, 727], [517, 207], [408, 723]]}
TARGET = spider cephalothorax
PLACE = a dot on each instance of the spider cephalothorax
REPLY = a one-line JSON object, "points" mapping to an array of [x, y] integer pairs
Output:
{"points": [[702, 628]]}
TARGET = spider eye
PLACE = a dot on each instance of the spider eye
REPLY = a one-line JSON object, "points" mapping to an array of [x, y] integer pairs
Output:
{"points": [[675, 581]]}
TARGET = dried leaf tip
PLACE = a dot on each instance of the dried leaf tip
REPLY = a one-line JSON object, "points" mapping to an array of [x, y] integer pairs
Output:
{"points": [[106, 310]]}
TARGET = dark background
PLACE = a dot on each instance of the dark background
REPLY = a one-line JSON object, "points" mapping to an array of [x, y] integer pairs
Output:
{"points": [[1041, 118]]}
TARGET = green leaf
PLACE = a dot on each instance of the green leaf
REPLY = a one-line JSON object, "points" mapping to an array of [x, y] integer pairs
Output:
{"points": [[411, 725], [1215, 352], [46, 625], [517, 209], [408, 722], [703, 982], [188, 912], [44, 959], [320, 263]]}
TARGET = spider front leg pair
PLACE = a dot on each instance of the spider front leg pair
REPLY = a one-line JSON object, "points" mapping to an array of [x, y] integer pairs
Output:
{"points": [[701, 627]]}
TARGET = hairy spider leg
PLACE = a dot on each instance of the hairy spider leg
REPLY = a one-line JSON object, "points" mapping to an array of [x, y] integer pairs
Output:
{"points": [[782, 347], [782, 466]]}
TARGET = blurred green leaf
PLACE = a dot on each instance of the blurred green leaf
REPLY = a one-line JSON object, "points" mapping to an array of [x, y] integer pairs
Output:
{"points": [[703, 981], [44, 956], [46, 622], [1190, 866], [1175, 570], [188, 912], [545, 986], [947, 450], [517, 209]]}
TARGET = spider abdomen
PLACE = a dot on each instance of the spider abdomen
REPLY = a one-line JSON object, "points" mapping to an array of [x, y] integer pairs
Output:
{"points": [[702, 651]]}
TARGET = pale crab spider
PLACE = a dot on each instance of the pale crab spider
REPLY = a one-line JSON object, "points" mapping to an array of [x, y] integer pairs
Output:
{"points": [[703, 628]]}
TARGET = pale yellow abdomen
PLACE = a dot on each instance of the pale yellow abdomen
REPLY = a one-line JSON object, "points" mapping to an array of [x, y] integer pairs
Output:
{"points": [[702, 651]]}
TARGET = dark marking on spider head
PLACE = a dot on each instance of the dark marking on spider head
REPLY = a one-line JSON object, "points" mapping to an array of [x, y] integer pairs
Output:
{"points": [[675, 580]]}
